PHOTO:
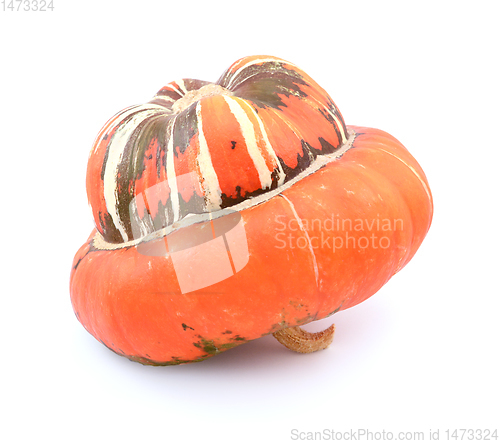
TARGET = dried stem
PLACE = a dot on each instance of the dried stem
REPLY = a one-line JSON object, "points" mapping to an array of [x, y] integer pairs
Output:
{"points": [[301, 341]]}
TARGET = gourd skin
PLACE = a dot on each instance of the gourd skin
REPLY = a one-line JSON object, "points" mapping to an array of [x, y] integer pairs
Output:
{"points": [[295, 274]]}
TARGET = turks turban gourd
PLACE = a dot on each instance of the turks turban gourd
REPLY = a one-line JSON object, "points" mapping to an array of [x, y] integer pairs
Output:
{"points": [[231, 210]]}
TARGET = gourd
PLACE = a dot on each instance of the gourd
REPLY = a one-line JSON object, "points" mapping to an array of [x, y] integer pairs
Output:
{"points": [[232, 210]]}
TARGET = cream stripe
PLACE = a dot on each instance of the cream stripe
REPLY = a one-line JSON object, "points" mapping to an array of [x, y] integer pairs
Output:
{"points": [[115, 153], [163, 97], [182, 86], [248, 132], [424, 185], [269, 148], [177, 90], [311, 249], [210, 181], [108, 125], [171, 175], [340, 126]]}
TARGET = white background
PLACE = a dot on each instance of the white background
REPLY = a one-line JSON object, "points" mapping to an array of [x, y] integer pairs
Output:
{"points": [[420, 355]]}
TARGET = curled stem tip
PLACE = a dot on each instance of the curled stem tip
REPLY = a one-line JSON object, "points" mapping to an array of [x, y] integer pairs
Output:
{"points": [[301, 341]]}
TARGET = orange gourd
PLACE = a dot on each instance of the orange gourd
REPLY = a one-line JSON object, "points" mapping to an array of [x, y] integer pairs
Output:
{"points": [[233, 210]]}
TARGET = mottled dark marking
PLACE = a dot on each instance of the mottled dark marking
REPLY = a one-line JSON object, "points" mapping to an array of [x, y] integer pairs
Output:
{"points": [[229, 201], [78, 262], [160, 155], [304, 159], [123, 207], [265, 84], [327, 147], [195, 204], [185, 127], [304, 320], [164, 214], [269, 93], [193, 84], [238, 338], [233, 144], [336, 310], [110, 232], [104, 161], [116, 126], [275, 175], [276, 327], [173, 361], [153, 128], [185, 327], [209, 347], [132, 163]]}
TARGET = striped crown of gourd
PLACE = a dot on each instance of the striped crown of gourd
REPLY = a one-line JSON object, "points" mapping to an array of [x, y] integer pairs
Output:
{"points": [[199, 147]]}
